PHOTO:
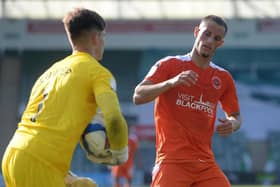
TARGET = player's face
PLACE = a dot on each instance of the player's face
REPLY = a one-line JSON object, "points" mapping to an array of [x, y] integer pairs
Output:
{"points": [[209, 36], [100, 45]]}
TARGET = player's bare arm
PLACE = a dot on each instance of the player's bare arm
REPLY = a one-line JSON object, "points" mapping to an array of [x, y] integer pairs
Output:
{"points": [[228, 125], [146, 91]]}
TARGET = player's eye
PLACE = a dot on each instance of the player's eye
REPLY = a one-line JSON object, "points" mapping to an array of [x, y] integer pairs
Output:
{"points": [[207, 33], [218, 38]]}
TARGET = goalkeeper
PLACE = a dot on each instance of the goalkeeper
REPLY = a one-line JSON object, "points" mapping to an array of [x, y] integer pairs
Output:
{"points": [[61, 104]]}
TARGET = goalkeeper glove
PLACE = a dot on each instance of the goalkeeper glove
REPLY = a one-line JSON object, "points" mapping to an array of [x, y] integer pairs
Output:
{"points": [[72, 180], [116, 157]]}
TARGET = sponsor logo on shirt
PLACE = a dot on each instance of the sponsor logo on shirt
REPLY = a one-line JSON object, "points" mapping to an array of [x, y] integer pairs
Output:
{"points": [[191, 102], [55, 73]]}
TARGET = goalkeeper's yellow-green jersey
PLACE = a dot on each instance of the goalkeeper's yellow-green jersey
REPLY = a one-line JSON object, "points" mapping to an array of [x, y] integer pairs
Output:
{"points": [[61, 104]]}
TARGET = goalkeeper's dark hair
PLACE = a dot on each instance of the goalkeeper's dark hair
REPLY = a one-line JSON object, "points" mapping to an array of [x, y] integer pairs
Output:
{"points": [[216, 19], [82, 20]]}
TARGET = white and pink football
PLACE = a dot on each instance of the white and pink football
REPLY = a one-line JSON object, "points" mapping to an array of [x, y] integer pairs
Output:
{"points": [[94, 140]]}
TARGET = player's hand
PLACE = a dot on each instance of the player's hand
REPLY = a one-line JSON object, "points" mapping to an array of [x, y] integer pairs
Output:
{"points": [[72, 180], [100, 160], [187, 78], [120, 156], [116, 157], [224, 127]]}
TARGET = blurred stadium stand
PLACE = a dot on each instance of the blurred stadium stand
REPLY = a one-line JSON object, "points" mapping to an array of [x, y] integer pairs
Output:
{"points": [[232, 153], [137, 9], [273, 161]]}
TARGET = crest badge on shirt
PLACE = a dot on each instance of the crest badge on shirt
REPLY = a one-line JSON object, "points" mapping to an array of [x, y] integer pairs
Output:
{"points": [[216, 82]]}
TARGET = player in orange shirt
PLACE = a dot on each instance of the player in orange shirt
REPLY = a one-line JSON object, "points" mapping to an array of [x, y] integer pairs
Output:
{"points": [[125, 170], [186, 89]]}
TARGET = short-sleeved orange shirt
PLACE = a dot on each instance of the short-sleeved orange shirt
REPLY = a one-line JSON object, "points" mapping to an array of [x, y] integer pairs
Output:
{"points": [[185, 116]]}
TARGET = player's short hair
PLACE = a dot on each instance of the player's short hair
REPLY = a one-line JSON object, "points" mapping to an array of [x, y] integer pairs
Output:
{"points": [[82, 20], [217, 19]]}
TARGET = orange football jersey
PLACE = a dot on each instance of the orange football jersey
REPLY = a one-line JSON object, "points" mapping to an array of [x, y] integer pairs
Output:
{"points": [[185, 116]]}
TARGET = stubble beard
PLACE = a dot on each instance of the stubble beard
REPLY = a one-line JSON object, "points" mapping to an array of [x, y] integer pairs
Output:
{"points": [[204, 55]]}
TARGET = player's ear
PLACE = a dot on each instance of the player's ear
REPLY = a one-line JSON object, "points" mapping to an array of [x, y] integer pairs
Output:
{"points": [[221, 43], [196, 31], [94, 37]]}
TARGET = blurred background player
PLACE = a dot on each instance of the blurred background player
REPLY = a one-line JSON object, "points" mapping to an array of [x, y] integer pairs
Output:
{"points": [[125, 171], [62, 103], [187, 89]]}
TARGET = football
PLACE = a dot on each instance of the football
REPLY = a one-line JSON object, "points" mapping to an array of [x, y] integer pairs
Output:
{"points": [[94, 140]]}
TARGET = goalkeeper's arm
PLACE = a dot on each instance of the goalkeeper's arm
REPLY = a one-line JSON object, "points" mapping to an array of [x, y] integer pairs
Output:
{"points": [[115, 125]]}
